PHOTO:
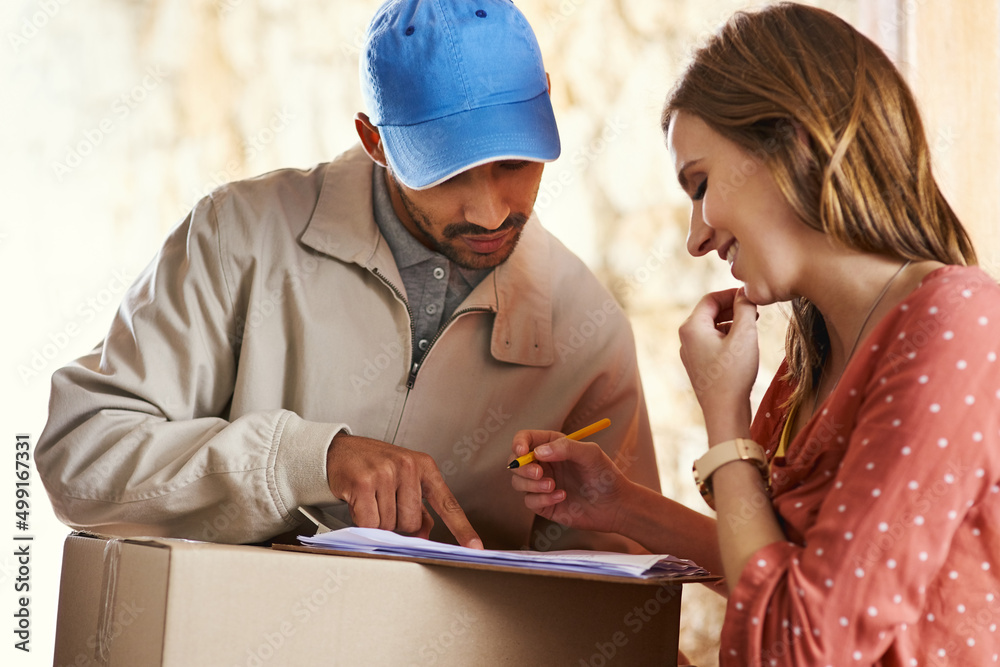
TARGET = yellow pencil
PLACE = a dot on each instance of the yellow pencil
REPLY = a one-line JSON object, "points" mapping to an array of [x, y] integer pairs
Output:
{"points": [[576, 435]]}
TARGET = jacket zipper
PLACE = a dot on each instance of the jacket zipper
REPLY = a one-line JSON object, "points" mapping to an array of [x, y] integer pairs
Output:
{"points": [[412, 377], [402, 299], [409, 315], [411, 380]]}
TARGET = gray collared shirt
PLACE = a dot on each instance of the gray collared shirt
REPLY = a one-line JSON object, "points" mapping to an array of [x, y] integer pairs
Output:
{"points": [[434, 285]]}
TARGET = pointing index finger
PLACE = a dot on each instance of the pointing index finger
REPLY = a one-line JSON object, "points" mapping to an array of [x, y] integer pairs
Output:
{"points": [[446, 505]]}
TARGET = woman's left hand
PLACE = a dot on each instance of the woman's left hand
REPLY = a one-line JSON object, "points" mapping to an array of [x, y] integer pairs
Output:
{"points": [[719, 351]]}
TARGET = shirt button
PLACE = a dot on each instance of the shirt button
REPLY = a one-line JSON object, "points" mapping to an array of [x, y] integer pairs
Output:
{"points": [[423, 344], [438, 272], [431, 309]]}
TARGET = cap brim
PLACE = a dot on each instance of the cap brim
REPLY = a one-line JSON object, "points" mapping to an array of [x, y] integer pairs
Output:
{"points": [[426, 154]]}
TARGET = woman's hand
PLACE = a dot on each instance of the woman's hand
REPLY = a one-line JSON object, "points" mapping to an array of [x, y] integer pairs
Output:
{"points": [[572, 483], [719, 351]]}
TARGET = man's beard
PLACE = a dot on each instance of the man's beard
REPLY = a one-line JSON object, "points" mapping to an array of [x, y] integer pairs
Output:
{"points": [[454, 250]]}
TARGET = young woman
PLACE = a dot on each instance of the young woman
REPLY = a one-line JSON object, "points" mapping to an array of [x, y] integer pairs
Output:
{"points": [[858, 513]]}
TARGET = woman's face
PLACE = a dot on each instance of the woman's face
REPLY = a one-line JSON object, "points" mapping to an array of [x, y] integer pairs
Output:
{"points": [[739, 211]]}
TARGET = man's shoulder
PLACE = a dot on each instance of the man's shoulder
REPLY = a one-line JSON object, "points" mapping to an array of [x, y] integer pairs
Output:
{"points": [[288, 200], [572, 278], [272, 190], [581, 303]]}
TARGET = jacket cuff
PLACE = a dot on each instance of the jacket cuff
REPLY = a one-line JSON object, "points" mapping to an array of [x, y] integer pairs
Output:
{"points": [[300, 463]]}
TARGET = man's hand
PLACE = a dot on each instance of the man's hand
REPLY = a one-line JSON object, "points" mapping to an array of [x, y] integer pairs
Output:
{"points": [[384, 486]]}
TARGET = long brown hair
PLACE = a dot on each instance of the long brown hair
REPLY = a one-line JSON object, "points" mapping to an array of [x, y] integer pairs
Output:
{"points": [[864, 177]]}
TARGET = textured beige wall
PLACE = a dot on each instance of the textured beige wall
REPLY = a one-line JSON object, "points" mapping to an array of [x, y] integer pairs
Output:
{"points": [[118, 115], [953, 61]]}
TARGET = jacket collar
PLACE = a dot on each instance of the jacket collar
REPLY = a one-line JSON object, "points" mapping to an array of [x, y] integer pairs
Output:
{"points": [[519, 291]]}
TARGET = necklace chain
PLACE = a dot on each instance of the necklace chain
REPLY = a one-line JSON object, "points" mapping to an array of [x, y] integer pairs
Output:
{"points": [[857, 340]]}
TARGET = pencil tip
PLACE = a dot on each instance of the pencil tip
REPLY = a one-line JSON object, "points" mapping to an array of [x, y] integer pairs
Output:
{"points": [[512, 465]]}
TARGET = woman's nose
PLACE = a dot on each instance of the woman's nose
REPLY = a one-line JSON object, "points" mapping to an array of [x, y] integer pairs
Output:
{"points": [[701, 239]]}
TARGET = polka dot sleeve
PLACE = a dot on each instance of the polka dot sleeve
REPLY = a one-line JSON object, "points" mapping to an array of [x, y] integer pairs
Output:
{"points": [[889, 499]]}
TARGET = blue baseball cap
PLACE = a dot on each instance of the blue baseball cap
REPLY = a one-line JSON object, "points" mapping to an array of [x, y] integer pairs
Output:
{"points": [[453, 84]]}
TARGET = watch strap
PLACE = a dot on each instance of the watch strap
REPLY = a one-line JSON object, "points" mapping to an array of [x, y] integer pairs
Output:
{"points": [[740, 449]]}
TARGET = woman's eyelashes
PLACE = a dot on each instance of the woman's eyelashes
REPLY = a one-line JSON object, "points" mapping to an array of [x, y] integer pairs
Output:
{"points": [[699, 192]]}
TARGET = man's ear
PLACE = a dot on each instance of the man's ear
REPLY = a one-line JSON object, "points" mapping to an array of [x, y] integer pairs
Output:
{"points": [[370, 138]]}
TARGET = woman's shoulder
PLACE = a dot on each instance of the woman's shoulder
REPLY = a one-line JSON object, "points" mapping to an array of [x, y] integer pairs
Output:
{"points": [[962, 295], [953, 311], [956, 284]]}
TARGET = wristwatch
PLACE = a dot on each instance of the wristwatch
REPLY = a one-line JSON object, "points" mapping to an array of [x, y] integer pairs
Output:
{"points": [[739, 449]]}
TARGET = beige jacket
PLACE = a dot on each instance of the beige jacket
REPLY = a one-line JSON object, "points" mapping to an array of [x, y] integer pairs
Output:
{"points": [[273, 318]]}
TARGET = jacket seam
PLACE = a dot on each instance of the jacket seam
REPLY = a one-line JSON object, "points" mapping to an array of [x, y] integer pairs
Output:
{"points": [[166, 493], [272, 480], [213, 214]]}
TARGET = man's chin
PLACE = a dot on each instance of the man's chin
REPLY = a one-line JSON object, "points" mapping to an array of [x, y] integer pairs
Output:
{"points": [[466, 258], [477, 262]]}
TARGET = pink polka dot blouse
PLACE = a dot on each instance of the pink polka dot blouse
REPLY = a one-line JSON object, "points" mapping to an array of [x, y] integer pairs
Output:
{"points": [[889, 499]]}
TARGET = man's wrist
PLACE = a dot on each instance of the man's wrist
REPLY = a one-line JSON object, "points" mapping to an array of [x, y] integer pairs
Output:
{"points": [[301, 462]]}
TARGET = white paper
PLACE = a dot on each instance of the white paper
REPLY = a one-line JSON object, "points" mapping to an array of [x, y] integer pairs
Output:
{"points": [[374, 541]]}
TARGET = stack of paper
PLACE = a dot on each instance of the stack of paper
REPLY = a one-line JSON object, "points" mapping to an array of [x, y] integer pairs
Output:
{"points": [[374, 541]]}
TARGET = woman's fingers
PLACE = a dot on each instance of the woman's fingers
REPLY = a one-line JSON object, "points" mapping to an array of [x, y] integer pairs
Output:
{"points": [[523, 485], [539, 503], [714, 307]]}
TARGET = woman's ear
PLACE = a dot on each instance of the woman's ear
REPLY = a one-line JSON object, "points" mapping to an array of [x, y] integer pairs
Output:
{"points": [[371, 140], [800, 133]]}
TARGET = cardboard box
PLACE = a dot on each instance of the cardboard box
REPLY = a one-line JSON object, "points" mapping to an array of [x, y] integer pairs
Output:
{"points": [[140, 602]]}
